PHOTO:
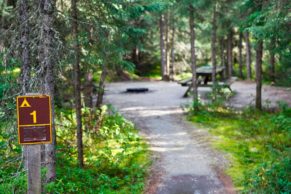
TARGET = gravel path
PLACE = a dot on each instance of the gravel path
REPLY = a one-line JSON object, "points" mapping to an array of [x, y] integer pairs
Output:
{"points": [[183, 162], [271, 95]]}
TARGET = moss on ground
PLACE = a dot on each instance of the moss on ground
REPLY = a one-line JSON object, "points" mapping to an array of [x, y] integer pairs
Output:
{"points": [[258, 144]]}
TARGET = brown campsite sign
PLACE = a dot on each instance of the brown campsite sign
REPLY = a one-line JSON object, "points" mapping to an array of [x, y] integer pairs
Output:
{"points": [[34, 119]]}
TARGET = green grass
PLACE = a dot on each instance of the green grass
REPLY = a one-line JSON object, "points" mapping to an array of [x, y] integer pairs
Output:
{"points": [[257, 143]]}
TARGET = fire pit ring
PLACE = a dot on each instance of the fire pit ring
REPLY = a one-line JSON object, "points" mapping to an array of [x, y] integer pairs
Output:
{"points": [[137, 90]]}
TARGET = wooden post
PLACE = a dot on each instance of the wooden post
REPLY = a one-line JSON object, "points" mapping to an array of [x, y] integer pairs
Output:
{"points": [[33, 165], [33, 162]]}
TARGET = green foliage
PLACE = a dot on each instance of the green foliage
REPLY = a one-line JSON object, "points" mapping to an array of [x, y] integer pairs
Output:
{"points": [[116, 158], [5, 10], [268, 21], [14, 184], [270, 177], [8, 85], [257, 143], [219, 94], [12, 175]]}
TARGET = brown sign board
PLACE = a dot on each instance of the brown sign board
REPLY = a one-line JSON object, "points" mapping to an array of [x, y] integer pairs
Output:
{"points": [[34, 119]]}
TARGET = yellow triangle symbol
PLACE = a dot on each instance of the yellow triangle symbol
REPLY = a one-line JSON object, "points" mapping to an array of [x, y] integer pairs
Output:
{"points": [[25, 104]]}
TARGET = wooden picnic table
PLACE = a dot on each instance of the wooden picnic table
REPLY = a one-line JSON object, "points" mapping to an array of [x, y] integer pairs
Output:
{"points": [[204, 75]]}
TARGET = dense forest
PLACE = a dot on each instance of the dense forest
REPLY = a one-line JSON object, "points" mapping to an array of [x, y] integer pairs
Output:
{"points": [[70, 50]]}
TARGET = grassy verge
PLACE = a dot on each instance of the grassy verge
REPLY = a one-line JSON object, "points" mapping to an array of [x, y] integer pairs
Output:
{"points": [[116, 158], [257, 143]]}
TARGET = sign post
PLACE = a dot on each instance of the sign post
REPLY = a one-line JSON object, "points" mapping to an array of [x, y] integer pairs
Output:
{"points": [[34, 128]]}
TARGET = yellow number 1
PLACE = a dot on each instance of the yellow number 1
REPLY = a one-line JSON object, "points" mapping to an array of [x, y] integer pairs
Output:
{"points": [[33, 114]]}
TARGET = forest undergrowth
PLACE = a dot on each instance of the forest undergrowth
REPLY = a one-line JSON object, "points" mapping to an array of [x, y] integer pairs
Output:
{"points": [[116, 157]]}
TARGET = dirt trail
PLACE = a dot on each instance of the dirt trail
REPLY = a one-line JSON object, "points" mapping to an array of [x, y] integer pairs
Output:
{"points": [[183, 163]]}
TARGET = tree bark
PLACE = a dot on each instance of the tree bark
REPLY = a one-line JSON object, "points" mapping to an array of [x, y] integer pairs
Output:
{"points": [[77, 83], [101, 87], [222, 57], [248, 56], [229, 53], [213, 46], [163, 48], [240, 60], [167, 22], [259, 55], [172, 61], [272, 60], [24, 45], [46, 56], [25, 59], [193, 56]]}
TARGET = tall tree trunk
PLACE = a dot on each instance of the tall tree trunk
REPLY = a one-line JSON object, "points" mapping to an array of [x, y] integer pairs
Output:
{"points": [[240, 60], [259, 55], [46, 58], [77, 83], [229, 53], [24, 45], [272, 60], [213, 45], [163, 48], [222, 57], [248, 56], [101, 87], [193, 56], [25, 57], [167, 22], [172, 62]]}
